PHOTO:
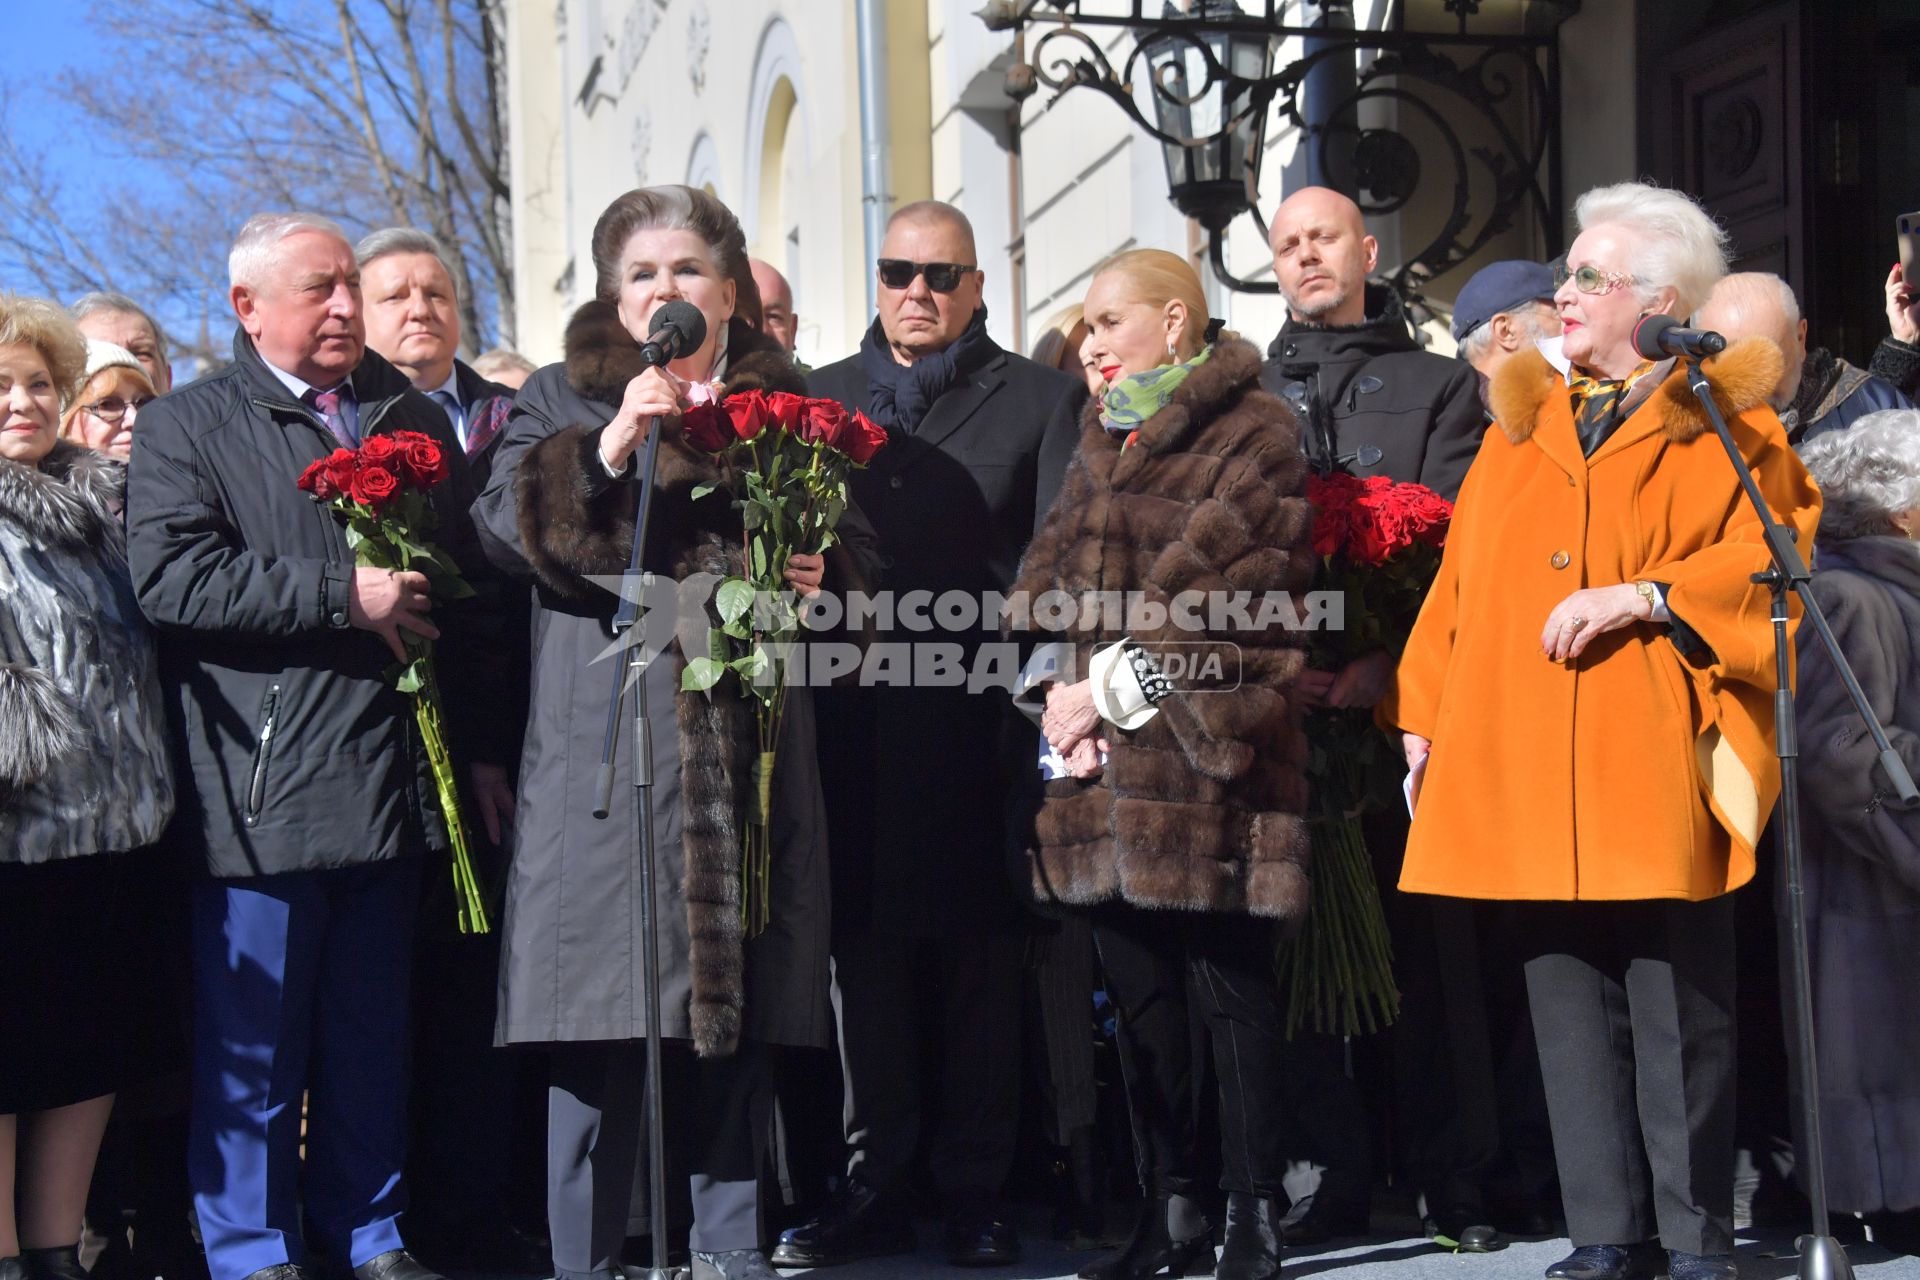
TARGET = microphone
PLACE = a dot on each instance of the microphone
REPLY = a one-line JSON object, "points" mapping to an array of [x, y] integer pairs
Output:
{"points": [[1658, 336], [677, 330]]}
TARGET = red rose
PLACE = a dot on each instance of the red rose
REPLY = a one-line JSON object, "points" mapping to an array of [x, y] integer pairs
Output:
{"points": [[864, 438], [707, 428], [748, 414], [374, 486], [422, 461], [381, 452], [785, 411], [327, 478], [825, 423]]}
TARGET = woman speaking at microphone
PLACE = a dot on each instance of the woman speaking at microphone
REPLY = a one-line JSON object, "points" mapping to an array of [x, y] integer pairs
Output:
{"points": [[1589, 690], [559, 511]]}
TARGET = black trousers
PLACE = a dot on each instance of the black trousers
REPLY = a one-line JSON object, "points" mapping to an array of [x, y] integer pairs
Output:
{"points": [[975, 1121], [1157, 963], [717, 1112], [1633, 1004]]}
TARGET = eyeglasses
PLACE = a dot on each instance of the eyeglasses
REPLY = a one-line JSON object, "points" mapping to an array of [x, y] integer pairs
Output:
{"points": [[111, 409], [942, 277], [1590, 279]]}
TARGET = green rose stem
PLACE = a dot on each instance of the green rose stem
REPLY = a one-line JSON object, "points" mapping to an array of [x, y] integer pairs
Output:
{"points": [[471, 904]]}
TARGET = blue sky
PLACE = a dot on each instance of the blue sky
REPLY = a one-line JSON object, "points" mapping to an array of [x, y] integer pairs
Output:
{"points": [[50, 36]]}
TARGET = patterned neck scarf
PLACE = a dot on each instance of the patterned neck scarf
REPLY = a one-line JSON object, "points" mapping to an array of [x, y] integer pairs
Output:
{"points": [[1598, 403], [1129, 402]]}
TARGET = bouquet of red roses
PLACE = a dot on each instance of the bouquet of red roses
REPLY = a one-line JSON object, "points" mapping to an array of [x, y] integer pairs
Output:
{"points": [[1379, 542], [380, 489], [784, 459]]}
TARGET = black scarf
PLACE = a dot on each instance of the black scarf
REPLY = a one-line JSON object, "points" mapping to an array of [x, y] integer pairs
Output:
{"points": [[899, 395]]}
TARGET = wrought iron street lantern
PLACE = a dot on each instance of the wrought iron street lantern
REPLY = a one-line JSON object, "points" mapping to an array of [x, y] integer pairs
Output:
{"points": [[1206, 81], [1208, 71]]}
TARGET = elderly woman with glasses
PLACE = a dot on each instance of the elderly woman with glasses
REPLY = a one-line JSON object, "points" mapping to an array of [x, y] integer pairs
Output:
{"points": [[102, 415], [1586, 702], [1862, 877]]}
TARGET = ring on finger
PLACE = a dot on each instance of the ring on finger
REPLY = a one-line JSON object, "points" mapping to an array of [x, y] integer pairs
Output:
{"points": [[1575, 624]]}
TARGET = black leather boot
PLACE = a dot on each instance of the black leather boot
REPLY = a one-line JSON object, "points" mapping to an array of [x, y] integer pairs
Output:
{"points": [[1152, 1250], [12, 1269], [1252, 1248], [53, 1264]]}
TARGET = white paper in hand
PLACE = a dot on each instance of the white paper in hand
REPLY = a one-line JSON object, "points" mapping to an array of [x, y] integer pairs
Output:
{"points": [[1415, 775]]}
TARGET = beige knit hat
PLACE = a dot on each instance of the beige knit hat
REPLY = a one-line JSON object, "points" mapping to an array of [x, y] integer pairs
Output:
{"points": [[107, 355]]}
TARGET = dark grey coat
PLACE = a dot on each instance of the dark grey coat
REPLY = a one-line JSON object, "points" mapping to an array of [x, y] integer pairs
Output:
{"points": [[84, 758], [571, 966], [1863, 875]]}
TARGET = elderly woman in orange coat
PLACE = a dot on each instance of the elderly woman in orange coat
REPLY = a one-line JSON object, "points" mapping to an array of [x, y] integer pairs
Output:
{"points": [[1587, 698]]}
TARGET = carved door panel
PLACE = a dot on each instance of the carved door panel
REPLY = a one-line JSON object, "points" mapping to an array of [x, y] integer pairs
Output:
{"points": [[1733, 137]]}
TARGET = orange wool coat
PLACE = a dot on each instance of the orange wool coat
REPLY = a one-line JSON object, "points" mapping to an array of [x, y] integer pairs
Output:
{"points": [[1630, 772]]}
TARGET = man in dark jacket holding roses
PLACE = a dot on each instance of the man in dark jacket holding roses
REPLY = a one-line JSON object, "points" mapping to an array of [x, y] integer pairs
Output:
{"points": [[303, 783]]}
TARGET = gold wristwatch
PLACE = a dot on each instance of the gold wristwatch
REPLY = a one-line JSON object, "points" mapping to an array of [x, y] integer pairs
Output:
{"points": [[1650, 595]]}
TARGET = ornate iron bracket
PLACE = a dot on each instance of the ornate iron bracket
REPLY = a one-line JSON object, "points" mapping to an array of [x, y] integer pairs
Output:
{"points": [[1445, 80]]}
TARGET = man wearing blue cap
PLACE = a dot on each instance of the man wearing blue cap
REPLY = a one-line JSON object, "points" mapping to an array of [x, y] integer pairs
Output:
{"points": [[1504, 309]]}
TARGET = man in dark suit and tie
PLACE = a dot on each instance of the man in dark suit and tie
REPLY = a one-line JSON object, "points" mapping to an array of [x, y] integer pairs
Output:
{"points": [[463, 1088], [917, 778]]}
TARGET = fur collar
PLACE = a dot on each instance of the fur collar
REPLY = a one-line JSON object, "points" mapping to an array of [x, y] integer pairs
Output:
{"points": [[602, 357], [68, 500], [1203, 396], [1742, 376]]}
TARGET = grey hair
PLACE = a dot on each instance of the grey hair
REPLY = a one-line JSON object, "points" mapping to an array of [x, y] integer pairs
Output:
{"points": [[1530, 317], [252, 251], [99, 300], [1677, 243], [391, 240], [500, 359], [1867, 473]]}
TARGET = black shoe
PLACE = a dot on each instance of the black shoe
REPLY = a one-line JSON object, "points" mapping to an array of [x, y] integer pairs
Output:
{"points": [[53, 1264], [1152, 1249], [1463, 1230], [860, 1223], [1251, 1250], [1896, 1232], [1315, 1221], [394, 1264], [1695, 1266], [735, 1264], [1610, 1262], [282, 1271], [981, 1238], [12, 1269]]}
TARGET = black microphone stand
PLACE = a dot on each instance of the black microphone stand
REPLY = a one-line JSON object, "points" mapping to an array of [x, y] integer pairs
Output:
{"points": [[1821, 1257], [633, 584]]}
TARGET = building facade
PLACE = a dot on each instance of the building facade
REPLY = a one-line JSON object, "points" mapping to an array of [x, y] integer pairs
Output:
{"points": [[759, 101]]}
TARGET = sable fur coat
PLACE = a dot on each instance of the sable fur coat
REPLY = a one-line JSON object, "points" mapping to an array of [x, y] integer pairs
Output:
{"points": [[1635, 771], [85, 762], [571, 964], [1200, 809]]}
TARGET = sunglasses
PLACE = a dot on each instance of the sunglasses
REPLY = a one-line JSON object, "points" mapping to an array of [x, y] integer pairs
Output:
{"points": [[1590, 279], [942, 277]]}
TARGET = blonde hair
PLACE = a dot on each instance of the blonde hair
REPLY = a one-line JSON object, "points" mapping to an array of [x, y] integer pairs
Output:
{"points": [[1156, 278], [1056, 348], [48, 329], [70, 419]]}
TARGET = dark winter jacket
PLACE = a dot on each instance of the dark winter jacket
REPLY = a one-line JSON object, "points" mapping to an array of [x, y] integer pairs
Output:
{"points": [[1200, 809], [1370, 386], [85, 765], [293, 751], [1834, 395], [488, 405], [1898, 364], [1862, 878], [572, 964], [922, 782]]}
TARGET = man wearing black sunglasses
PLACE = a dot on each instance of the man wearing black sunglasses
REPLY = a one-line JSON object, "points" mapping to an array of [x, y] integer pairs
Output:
{"points": [[917, 779]]}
